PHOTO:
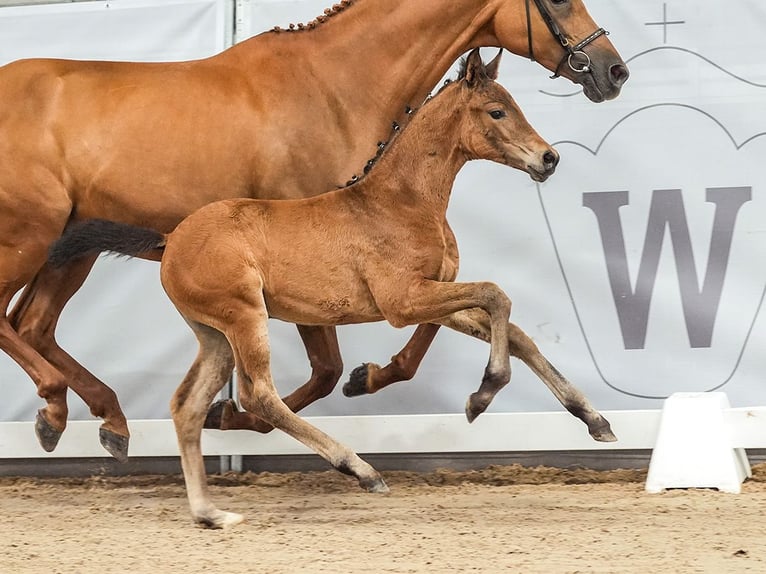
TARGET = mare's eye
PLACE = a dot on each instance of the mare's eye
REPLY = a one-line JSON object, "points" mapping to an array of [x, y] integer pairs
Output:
{"points": [[497, 114], [558, 2]]}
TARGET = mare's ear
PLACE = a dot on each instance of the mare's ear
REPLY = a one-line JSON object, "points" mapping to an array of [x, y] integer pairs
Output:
{"points": [[494, 66], [474, 68]]}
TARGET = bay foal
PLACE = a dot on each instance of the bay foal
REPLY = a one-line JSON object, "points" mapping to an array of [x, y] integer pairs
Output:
{"points": [[376, 250]]}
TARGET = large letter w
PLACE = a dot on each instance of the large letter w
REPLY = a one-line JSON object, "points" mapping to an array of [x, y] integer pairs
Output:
{"points": [[667, 211]]}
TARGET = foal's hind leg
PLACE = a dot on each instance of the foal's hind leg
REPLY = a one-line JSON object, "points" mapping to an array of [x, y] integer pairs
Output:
{"points": [[249, 338], [35, 317], [326, 368], [370, 378], [475, 322], [206, 377]]}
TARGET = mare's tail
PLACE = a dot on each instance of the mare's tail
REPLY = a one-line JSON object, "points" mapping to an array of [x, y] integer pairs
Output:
{"points": [[94, 236]]}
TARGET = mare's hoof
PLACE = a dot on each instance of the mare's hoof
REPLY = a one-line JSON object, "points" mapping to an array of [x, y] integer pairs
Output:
{"points": [[115, 444], [218, 412], [357, 381], [47, 436], [474, 407], [602, 431], [219, 519]]}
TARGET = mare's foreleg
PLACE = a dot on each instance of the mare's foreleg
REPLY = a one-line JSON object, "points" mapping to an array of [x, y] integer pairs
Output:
{"points": [[326, 368], [34, 318], [206, 377], [370, 378], [475, 322]]}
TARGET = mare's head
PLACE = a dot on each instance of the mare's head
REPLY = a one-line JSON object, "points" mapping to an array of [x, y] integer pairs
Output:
{"points": [[561, 35], [493, 127]]}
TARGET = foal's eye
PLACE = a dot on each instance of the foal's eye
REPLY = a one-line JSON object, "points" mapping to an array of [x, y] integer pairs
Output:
{"points": [[497, 114]]}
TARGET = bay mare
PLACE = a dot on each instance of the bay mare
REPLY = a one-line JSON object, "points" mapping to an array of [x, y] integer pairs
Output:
{"points": [[282, 115], [376, 250]]}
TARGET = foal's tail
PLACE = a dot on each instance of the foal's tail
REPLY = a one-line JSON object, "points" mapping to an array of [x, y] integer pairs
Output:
{"points": [[94, 236]]}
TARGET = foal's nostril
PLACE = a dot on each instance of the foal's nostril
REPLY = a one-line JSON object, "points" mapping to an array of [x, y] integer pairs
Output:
{"points": [[619, 74], [550, 159]]}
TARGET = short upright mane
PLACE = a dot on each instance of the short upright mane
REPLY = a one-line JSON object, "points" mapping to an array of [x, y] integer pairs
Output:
{"points": [[328, 13]]}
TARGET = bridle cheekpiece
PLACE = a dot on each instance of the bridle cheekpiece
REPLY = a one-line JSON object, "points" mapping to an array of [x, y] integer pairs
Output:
{"points": [[572, 51]]}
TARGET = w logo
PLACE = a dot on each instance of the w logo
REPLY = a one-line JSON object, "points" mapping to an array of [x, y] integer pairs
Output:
{"points": [[667, 216], [665, 280]]}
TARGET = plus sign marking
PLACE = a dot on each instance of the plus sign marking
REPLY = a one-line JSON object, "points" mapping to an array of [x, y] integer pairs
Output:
{"points": [[665, 23]]}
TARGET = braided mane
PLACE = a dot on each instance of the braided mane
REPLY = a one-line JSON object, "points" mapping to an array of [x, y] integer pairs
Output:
{"points": [[328, 13]]}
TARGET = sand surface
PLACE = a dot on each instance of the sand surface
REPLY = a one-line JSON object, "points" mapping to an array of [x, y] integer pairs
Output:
{"points": [[501, 519]]}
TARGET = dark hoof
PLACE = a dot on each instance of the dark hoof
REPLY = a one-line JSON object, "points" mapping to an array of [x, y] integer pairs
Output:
{"points": [[47, 436], [357, 382], [602, 431], [115, 444], [474, 407], [218, 412]]}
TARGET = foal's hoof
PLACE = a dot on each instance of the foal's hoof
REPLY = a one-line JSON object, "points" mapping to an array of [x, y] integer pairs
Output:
{"points": [[601, 431], [219, 519], [474, 407], [219, 412], [376, 485], [115, 444], [357, 380], [47, 436]]}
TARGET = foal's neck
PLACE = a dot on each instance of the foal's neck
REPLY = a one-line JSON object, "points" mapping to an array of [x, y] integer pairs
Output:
{"points": [[419, 169]]}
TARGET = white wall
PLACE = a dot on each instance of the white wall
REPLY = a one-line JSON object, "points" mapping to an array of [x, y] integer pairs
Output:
{"points": [[684, 121]]}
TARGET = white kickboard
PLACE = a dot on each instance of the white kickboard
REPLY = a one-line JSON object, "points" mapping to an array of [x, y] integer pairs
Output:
{"points": [[694, 447]]}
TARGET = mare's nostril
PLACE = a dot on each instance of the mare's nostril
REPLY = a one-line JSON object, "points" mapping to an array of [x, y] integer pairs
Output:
{"points": [[619, 74], [550, 159]]}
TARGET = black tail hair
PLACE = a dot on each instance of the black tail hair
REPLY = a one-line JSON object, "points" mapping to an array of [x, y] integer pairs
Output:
{"points": [[98, 235]]}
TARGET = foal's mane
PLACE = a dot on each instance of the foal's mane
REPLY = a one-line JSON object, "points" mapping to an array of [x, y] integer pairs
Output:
{"points": [[396, 128], [321, 19]]}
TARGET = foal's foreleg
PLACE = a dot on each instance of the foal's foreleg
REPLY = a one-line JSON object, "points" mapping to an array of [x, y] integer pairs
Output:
{"points": [[476, 323], [326, 368], [427, 301], [34, 317]]}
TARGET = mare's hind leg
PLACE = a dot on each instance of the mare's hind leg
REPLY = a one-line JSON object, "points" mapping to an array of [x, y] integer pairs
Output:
{"points": [[475, 322], [206, 377], [249, 338], [35, 316], [370, 378], [326, 368]]}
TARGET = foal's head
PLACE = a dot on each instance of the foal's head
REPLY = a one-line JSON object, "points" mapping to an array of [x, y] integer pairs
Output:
{"points": [[493, 126]]}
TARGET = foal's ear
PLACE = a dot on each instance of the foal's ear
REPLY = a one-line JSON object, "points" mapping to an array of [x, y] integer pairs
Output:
{"points": [[494, 66], [474, 68]]}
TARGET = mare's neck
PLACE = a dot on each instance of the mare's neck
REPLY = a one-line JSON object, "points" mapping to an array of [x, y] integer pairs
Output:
{"points": [[375, 58]]}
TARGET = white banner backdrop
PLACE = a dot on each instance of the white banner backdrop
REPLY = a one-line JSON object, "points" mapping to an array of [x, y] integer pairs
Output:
{"points": [[635, 268]]}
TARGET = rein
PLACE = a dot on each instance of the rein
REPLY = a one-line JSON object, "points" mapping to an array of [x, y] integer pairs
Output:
{"points": [[572, 51]]}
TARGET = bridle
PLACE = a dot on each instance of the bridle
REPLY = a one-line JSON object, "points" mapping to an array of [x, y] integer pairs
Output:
{"points": [[572, 51]]}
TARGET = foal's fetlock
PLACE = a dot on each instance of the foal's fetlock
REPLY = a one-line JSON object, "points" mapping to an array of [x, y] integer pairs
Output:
{"points": [[115, 444], [358, 379], [47, 435]]}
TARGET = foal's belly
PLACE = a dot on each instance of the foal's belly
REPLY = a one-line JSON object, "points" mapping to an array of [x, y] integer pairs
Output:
{"points": [[318, 306]]}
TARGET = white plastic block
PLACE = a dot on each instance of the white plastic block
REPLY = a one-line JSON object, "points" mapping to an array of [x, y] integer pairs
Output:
{"points": [[694, 447]]}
